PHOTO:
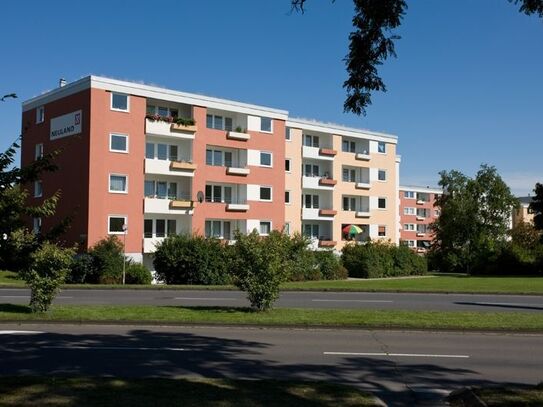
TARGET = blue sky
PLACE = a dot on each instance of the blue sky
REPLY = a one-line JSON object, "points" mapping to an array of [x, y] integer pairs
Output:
{"points": [[466, 88]]}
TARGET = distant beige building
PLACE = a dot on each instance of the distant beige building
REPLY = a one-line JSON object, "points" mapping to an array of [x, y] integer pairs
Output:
{"points": [[523, 213]]}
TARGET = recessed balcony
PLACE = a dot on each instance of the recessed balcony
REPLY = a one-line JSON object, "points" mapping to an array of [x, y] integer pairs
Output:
{"points": [[167, 206], [420, 217], [316, 153], [327, 152], [189, 128], [237, 171], [167, 129], [327, 212], [182, 166], [328, 182], [362, 156], [362, 214], [166, 167], [421, 202], [315, 183], [362, 185], [150, 243], [237, 207], [181, 204], [236, 135]]}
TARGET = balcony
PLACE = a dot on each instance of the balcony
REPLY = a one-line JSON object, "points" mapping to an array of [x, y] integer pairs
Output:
{"points": [[363, 185], [237, 207], [168, 207], [327, 182], [362, 156], [166, 129], [362, 214], [237, 171], [325, 243], [237, 135], [421, 201], [327, 152], [150, 243], [419, 217], [327, 212], [315, 183], [421, 234], [318, 214], [166, 167], [318, 153]]}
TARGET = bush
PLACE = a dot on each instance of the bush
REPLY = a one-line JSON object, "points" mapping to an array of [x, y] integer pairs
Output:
{"points": [[511, 259], [82, 267], [186, 259], [259, 266], [329, 265], [107, 264], [137, 273], [48, 268], [377, 259]]}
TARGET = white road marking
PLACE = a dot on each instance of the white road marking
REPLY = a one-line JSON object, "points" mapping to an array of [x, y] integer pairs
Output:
{"points": [[414, 355], [205, 299], [322, 300], [78, 347], [20, 332], [28, 296]]}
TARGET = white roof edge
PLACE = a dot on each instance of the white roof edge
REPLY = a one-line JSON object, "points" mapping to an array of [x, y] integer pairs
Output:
{"points": [[155, 92], [419, 188], [338, 129]]}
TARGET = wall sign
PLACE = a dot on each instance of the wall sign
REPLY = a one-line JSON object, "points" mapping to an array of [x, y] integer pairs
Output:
{"points": [[66, 125]]}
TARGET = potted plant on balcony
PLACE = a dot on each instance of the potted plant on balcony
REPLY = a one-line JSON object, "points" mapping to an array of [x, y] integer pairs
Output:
{"points": [[184, 124]]}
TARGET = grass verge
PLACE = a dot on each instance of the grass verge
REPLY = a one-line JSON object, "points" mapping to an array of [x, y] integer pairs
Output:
{"points": [[528, 396], [86, 391], [9, 278], [493, 321]]}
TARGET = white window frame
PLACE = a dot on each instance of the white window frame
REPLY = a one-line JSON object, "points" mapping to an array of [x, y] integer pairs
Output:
{"points": [[411, 243], [260, 159], [223, 127], [385, 147], [38, 151], [409, 227], [260, 225], [38, 194], [271, 125], [385, 172], [412, 194], [386, 203], [410, 211], [260, 191], [289, 165], [384, 226], [111, 140], [109, 232], [286, 228], [288, 137], [127, 110], [40, 114], [118, 175], [36, 225]]}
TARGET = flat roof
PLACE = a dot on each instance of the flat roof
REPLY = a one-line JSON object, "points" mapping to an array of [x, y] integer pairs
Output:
{"points": [[419, 188]]}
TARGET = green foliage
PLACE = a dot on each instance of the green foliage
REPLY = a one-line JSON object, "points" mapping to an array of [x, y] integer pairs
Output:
{"points": [[259, 266], [47, 271], [377, 259], [185, 121], [525, 235], [107, 262], [137, 273], [537, 207], [329, 265], [474, 219], [81, 270], [186, 259]]}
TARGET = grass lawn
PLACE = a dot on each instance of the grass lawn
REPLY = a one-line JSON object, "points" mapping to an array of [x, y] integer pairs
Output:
{"points": [[86, 391], [495, 321], [10, 278], [528, 396]]}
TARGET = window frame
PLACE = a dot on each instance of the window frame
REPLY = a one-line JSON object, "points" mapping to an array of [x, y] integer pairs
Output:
{"points": [[271, 125], [127, 110], [37, 155], [38, 191], [125, 222], [407, 212], [411, 193], [382, 171], [260, 193], [288, 137], [271, 159], [125, 183], [379, 231], [36, 225], [379, 144], [125, 136], [288, 194], [289, 161], [40, 114], [269, 222], [384, 199]]}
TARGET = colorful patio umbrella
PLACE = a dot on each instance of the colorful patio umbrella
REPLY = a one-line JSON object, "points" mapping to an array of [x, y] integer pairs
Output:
{"points": [[352, 230]]}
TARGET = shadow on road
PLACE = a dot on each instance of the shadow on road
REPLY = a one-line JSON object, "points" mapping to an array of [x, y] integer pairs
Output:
{"points": [[497, 305]]}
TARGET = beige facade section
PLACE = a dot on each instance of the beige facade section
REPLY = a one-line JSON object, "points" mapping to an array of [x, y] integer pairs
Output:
{"points": [[293, 180], [522, 214]]}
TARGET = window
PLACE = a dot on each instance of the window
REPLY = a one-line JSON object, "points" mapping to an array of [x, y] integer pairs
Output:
{"points": [[287, 197], [311, 201], [381, 147], [218, 229], [311, 170], [149, 150], [382, 175], [218, 122], [265, 228], [287, 134], [36, 225], [410, 243], [38, 151], [219, 158], [172, 225], [311, 141], [348, 175], [172, 152], [382, 203], [148, 228], [437, 212], [116, 224], [266, 124], [409, 211], [149, 189], [119, 143], [409, 227], [218, 193], [348, 146], [409, 194], [311, 230], [382, 231], [160, 230], [38, 189], [422, 228], [349, 203], [119, 102], [287, 164], [265, 194], [162, 151], [40, 114], [287, 228], [118, 183], [265, 159]]}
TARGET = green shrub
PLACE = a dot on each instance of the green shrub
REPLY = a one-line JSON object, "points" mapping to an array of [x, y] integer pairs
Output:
{"points": [[107, 262], [259, 266], [376, 259], [511, 259], [186, 259], [299, 260], [137, 273], [329, 265], [48, 268], [82, 267]]}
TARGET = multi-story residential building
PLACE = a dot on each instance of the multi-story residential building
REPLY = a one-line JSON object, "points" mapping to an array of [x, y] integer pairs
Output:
{"points": [[417, 212], [523, 213], [144, 162]]}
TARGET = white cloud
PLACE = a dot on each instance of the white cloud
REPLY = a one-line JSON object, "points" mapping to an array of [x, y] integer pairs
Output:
{"points": [[522, 183]]}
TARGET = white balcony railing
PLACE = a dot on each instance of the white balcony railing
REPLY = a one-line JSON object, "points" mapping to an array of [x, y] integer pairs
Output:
{"points": [[168, 206]]}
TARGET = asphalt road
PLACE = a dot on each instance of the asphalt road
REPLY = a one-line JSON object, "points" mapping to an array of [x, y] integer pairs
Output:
{"points": [[348, 300], [403, 368]]}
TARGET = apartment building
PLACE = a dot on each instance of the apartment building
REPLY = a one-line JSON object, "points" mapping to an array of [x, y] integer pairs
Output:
{"points": [[338, 177], [523, 213], [417, 212], [144, 162]]}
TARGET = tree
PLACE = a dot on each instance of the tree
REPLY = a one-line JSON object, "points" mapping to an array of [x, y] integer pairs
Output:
{"points": [[536, 206], [372, 42], [474, 219]]}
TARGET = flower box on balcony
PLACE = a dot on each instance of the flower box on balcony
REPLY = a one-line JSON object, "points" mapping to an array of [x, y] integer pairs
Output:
{"points": [[182, 165], [181, 204], [236, 135], [231, 207], [327, 151], [238, 171], [327, 243], [362, 214], [362, 156], [327, 182], [327, 212], [191, 128], [363, 185]]}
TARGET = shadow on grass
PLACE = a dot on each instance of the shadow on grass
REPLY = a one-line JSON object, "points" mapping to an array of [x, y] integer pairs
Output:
{"points": [[215, 309], [15, 309]]}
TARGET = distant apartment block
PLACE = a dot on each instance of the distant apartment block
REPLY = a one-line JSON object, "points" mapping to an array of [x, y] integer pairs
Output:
{"points": [[523, 213], [144, 162], [417, 212]]}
